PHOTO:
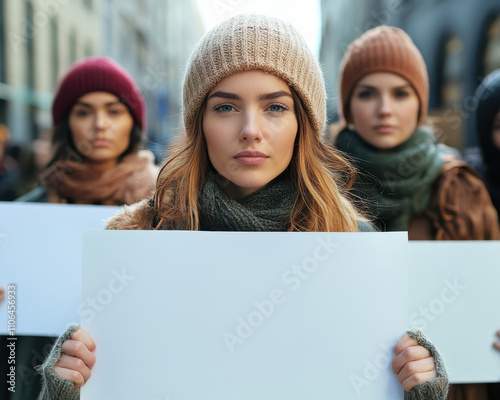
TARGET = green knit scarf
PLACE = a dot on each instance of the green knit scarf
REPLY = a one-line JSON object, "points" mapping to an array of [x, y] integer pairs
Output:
{"points": [[395, 183], [267, 209]]}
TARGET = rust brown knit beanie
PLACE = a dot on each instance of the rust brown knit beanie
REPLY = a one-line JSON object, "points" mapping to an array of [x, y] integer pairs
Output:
{"points": [[248, 42], [383, 49]]}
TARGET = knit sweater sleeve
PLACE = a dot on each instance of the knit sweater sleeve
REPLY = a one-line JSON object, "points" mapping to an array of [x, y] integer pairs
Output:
{"points": [[437, 388], [53, 386]]}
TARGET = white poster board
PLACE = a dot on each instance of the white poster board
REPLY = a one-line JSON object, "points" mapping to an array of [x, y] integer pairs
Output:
{"points": [[41, 253], [226, 315], [455, 298]]}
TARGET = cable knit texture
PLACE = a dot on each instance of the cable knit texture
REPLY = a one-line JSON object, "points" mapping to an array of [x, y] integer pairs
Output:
{"points": [[383, 49], [255, 42], [54, 387], [437, 388]]}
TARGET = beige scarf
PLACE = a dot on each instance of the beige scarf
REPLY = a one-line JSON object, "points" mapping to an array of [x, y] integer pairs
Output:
{"points": [[129, 181]]}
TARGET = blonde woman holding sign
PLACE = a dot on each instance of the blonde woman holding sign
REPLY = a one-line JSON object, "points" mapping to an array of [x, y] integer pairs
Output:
{"points": [[253, 159]]}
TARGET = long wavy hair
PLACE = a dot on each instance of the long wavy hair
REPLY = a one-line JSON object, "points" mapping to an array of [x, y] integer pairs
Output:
{"points": [[322, 178]]}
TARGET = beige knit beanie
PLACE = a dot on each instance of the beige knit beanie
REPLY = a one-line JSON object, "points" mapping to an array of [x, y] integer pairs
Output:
{"points": [[249, 42], [383, 49]]}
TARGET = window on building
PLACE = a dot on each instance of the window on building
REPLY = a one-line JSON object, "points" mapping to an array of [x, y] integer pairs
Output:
{"points": [[491, 58], [451, 89], [72, 47], [3, 77], [54, 49]]}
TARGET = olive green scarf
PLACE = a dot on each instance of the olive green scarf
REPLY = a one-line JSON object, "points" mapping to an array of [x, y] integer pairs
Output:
{"points": [[396, 183]]}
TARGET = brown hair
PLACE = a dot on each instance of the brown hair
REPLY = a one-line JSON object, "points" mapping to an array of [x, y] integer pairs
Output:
{"points": [[321, 175]]}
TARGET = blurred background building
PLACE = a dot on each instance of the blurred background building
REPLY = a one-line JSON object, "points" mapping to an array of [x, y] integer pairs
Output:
{"points": [[459, 39], [40, 39], [152, 39]]}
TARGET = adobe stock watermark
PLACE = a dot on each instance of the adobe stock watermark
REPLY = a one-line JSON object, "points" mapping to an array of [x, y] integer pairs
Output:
{"points": [[263, 309], [437, 306], [226, 8], [373, 367], [46, 9], [96, 304], [380, 17]]}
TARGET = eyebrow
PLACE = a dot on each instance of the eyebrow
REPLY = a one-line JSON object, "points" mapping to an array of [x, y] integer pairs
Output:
{"points": [[112, 103], [365, 86], [267, 96]]}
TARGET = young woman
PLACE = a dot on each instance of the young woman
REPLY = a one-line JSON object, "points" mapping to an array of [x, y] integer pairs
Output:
{"points": [[409, 181], [488, 131], [252, 159], [98, 115]]}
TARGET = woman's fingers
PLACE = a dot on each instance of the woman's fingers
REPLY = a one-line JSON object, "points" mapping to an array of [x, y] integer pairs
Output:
{"points": [[426, 365], [408, 350], [73, 369], [496, 344], [2, 294], [413, 364], [416, 379], [77, 349], [78, 358]]}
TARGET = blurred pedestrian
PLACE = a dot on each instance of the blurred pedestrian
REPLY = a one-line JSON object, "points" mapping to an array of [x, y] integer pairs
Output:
{"points": [[410, 182], [488, 130], [9, 169], [99, 117], [253, 159]]}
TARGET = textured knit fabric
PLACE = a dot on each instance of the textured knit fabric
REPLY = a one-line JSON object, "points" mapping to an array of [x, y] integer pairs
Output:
{"points": [[436, 388], [255, 42], [383, 49], [268, 209], [54, 387], [396, 182], [488, 96], [129, 181], [98, 74]]}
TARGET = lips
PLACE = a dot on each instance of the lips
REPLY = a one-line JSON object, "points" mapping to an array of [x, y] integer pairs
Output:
{"points": [[251, 157], [385, 128], [100, 143]]}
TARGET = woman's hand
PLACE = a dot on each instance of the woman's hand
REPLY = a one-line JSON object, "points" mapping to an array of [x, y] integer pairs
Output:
{"points": [[2, 294], [77, 358], [496, 344], [413, 364]]}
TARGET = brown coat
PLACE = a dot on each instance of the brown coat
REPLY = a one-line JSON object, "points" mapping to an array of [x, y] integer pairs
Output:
{"points": [[460, 208], [138, 216]]}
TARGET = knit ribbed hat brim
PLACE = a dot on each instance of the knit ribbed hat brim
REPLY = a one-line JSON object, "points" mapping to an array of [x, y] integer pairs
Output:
{"points": [[255, 42]]}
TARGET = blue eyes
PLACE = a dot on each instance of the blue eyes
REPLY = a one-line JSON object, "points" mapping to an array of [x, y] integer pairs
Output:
{"points": [[273, 108], [224, 108]]}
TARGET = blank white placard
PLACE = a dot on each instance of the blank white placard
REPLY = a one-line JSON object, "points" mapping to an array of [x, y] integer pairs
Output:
{"points": [[455, 298], [188, 315], [41, 253]]}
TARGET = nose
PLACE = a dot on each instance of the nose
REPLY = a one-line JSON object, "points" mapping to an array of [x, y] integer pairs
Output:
{"points": [[385, 106], [101, 121], [251, 128]]}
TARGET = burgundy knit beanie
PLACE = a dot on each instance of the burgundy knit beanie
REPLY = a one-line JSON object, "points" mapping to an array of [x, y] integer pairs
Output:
{"points": [[98, 74], [383, 49]]}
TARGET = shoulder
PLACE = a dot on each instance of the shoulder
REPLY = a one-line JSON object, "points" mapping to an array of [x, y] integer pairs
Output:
{"points": [[366, 227], [138, 216], [37, 195]]}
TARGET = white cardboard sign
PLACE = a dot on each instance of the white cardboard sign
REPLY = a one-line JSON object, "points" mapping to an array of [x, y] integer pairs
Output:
{"points": [[455, 299], [227, 315], [41, 254]]}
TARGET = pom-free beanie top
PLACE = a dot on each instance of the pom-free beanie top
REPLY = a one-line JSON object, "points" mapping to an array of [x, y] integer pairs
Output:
{"points": [[255, 42]]}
